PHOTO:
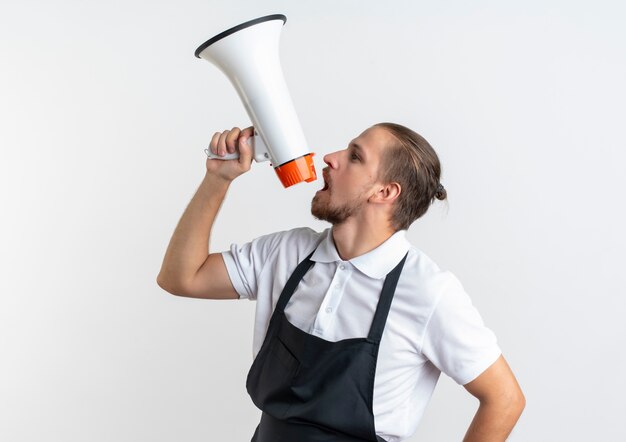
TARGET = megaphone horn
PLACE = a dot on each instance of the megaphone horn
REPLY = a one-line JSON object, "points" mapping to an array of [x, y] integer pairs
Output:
{"points": [[248, 55]]}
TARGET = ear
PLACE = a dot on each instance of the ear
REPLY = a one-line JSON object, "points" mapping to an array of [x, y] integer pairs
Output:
{"points": [[386, 193]]}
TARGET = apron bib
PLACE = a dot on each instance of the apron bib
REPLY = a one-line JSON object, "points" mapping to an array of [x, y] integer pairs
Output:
{"points": [[313, 390]]}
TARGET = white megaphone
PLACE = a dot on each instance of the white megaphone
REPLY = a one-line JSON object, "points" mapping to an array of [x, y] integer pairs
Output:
{"points": [[248, 55]]}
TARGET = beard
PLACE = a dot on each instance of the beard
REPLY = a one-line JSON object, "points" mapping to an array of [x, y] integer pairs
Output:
{"points": [[322, 210]]}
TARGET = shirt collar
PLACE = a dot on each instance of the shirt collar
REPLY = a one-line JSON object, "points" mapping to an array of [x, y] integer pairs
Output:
{"points": [[376, 263]]}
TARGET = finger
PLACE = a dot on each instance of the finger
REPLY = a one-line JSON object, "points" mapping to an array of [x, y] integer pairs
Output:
{"points": [[221, 144], [245, 152], [231, 139], [246, 135], [248, 131], [213, 144]]}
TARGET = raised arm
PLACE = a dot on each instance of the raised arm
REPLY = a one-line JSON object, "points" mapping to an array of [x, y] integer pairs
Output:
{"points": [[188, 269], [501, 403]]}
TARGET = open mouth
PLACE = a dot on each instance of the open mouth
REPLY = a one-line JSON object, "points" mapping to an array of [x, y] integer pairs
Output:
{"points": [[325, 177]]}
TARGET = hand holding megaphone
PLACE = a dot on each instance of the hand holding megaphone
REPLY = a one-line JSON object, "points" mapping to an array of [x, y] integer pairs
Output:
{"points": [[233, 145], [223, 145]]}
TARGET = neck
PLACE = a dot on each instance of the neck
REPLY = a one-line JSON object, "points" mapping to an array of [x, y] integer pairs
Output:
{"points": [[353, 239]]}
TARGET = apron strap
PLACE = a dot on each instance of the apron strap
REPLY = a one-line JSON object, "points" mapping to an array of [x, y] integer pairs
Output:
{"points": [[293, 282], [384, 303]]}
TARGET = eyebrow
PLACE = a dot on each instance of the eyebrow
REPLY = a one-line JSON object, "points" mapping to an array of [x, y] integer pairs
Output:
{"points": [[358, 148]]}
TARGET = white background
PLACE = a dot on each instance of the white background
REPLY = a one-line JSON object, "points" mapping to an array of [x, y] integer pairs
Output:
{"points": [[104, 113]]}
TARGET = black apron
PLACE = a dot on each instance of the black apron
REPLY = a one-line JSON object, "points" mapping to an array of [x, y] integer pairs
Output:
{"points": [[313, 390]]}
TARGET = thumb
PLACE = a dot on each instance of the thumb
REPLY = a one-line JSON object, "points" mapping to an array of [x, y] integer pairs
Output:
{"points": [[245, 149]]}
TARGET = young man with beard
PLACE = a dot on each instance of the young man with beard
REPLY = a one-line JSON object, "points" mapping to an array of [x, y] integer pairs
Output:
{"points": [[353, 325]]}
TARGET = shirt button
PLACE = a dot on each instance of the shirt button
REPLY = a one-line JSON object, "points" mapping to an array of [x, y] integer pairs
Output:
{"points": [[342, 267], [329, 309]]}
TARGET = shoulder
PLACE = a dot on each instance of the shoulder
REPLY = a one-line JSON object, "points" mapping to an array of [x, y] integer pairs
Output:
{"points": [[299, 238], [426, 274], [442, 294], [293, 242], [423, 284]]}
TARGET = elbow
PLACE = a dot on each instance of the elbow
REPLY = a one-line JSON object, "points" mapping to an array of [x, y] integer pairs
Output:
{"points": [[515, 402], [161, 282], [510, 401], [168, 286], [520, 401], [516, 397]]}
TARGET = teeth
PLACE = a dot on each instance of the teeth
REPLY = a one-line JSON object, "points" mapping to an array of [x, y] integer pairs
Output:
{"points": [[325, 182]]}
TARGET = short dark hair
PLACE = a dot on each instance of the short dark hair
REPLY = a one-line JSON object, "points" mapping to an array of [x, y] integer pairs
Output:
{"points": [[413, 163]]}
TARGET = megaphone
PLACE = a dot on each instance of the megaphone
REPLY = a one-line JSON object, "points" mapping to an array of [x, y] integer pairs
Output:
{"points": [[248, 55]]}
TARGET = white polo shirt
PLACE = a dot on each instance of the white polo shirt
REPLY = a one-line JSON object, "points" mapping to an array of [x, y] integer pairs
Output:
{"points": [[432, 325]]}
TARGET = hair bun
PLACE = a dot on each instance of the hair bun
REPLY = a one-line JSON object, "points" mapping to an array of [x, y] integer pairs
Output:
{"points": [[441, 193]]}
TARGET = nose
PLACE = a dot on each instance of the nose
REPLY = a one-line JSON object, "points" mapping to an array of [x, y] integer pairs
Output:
{"points": [[331, 159]]}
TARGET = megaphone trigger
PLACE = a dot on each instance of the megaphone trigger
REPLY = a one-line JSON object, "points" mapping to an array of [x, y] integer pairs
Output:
{"points": [[259, 149]]}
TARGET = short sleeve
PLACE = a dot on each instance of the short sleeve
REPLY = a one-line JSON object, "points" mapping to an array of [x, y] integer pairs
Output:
{"points": [[456, 339], [245, 262]]}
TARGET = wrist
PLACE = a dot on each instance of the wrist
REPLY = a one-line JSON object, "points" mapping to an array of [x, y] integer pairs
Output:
{"points": [[216, 182]]}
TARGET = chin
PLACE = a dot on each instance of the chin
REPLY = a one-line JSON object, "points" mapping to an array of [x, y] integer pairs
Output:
{"points": [[316, 210]]}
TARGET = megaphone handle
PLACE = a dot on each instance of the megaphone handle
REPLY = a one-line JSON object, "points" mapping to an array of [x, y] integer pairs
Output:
{"points": [[259, 151], [228, 156]]}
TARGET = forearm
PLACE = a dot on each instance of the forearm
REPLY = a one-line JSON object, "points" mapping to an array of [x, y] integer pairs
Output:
{"points": [[189, 246], [494, 421]]}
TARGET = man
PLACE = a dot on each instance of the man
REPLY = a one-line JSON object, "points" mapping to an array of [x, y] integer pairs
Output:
{"points": [[353, 325]]}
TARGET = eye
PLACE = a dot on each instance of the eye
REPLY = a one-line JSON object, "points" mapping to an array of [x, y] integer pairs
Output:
{"points": [[354, 157]]}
